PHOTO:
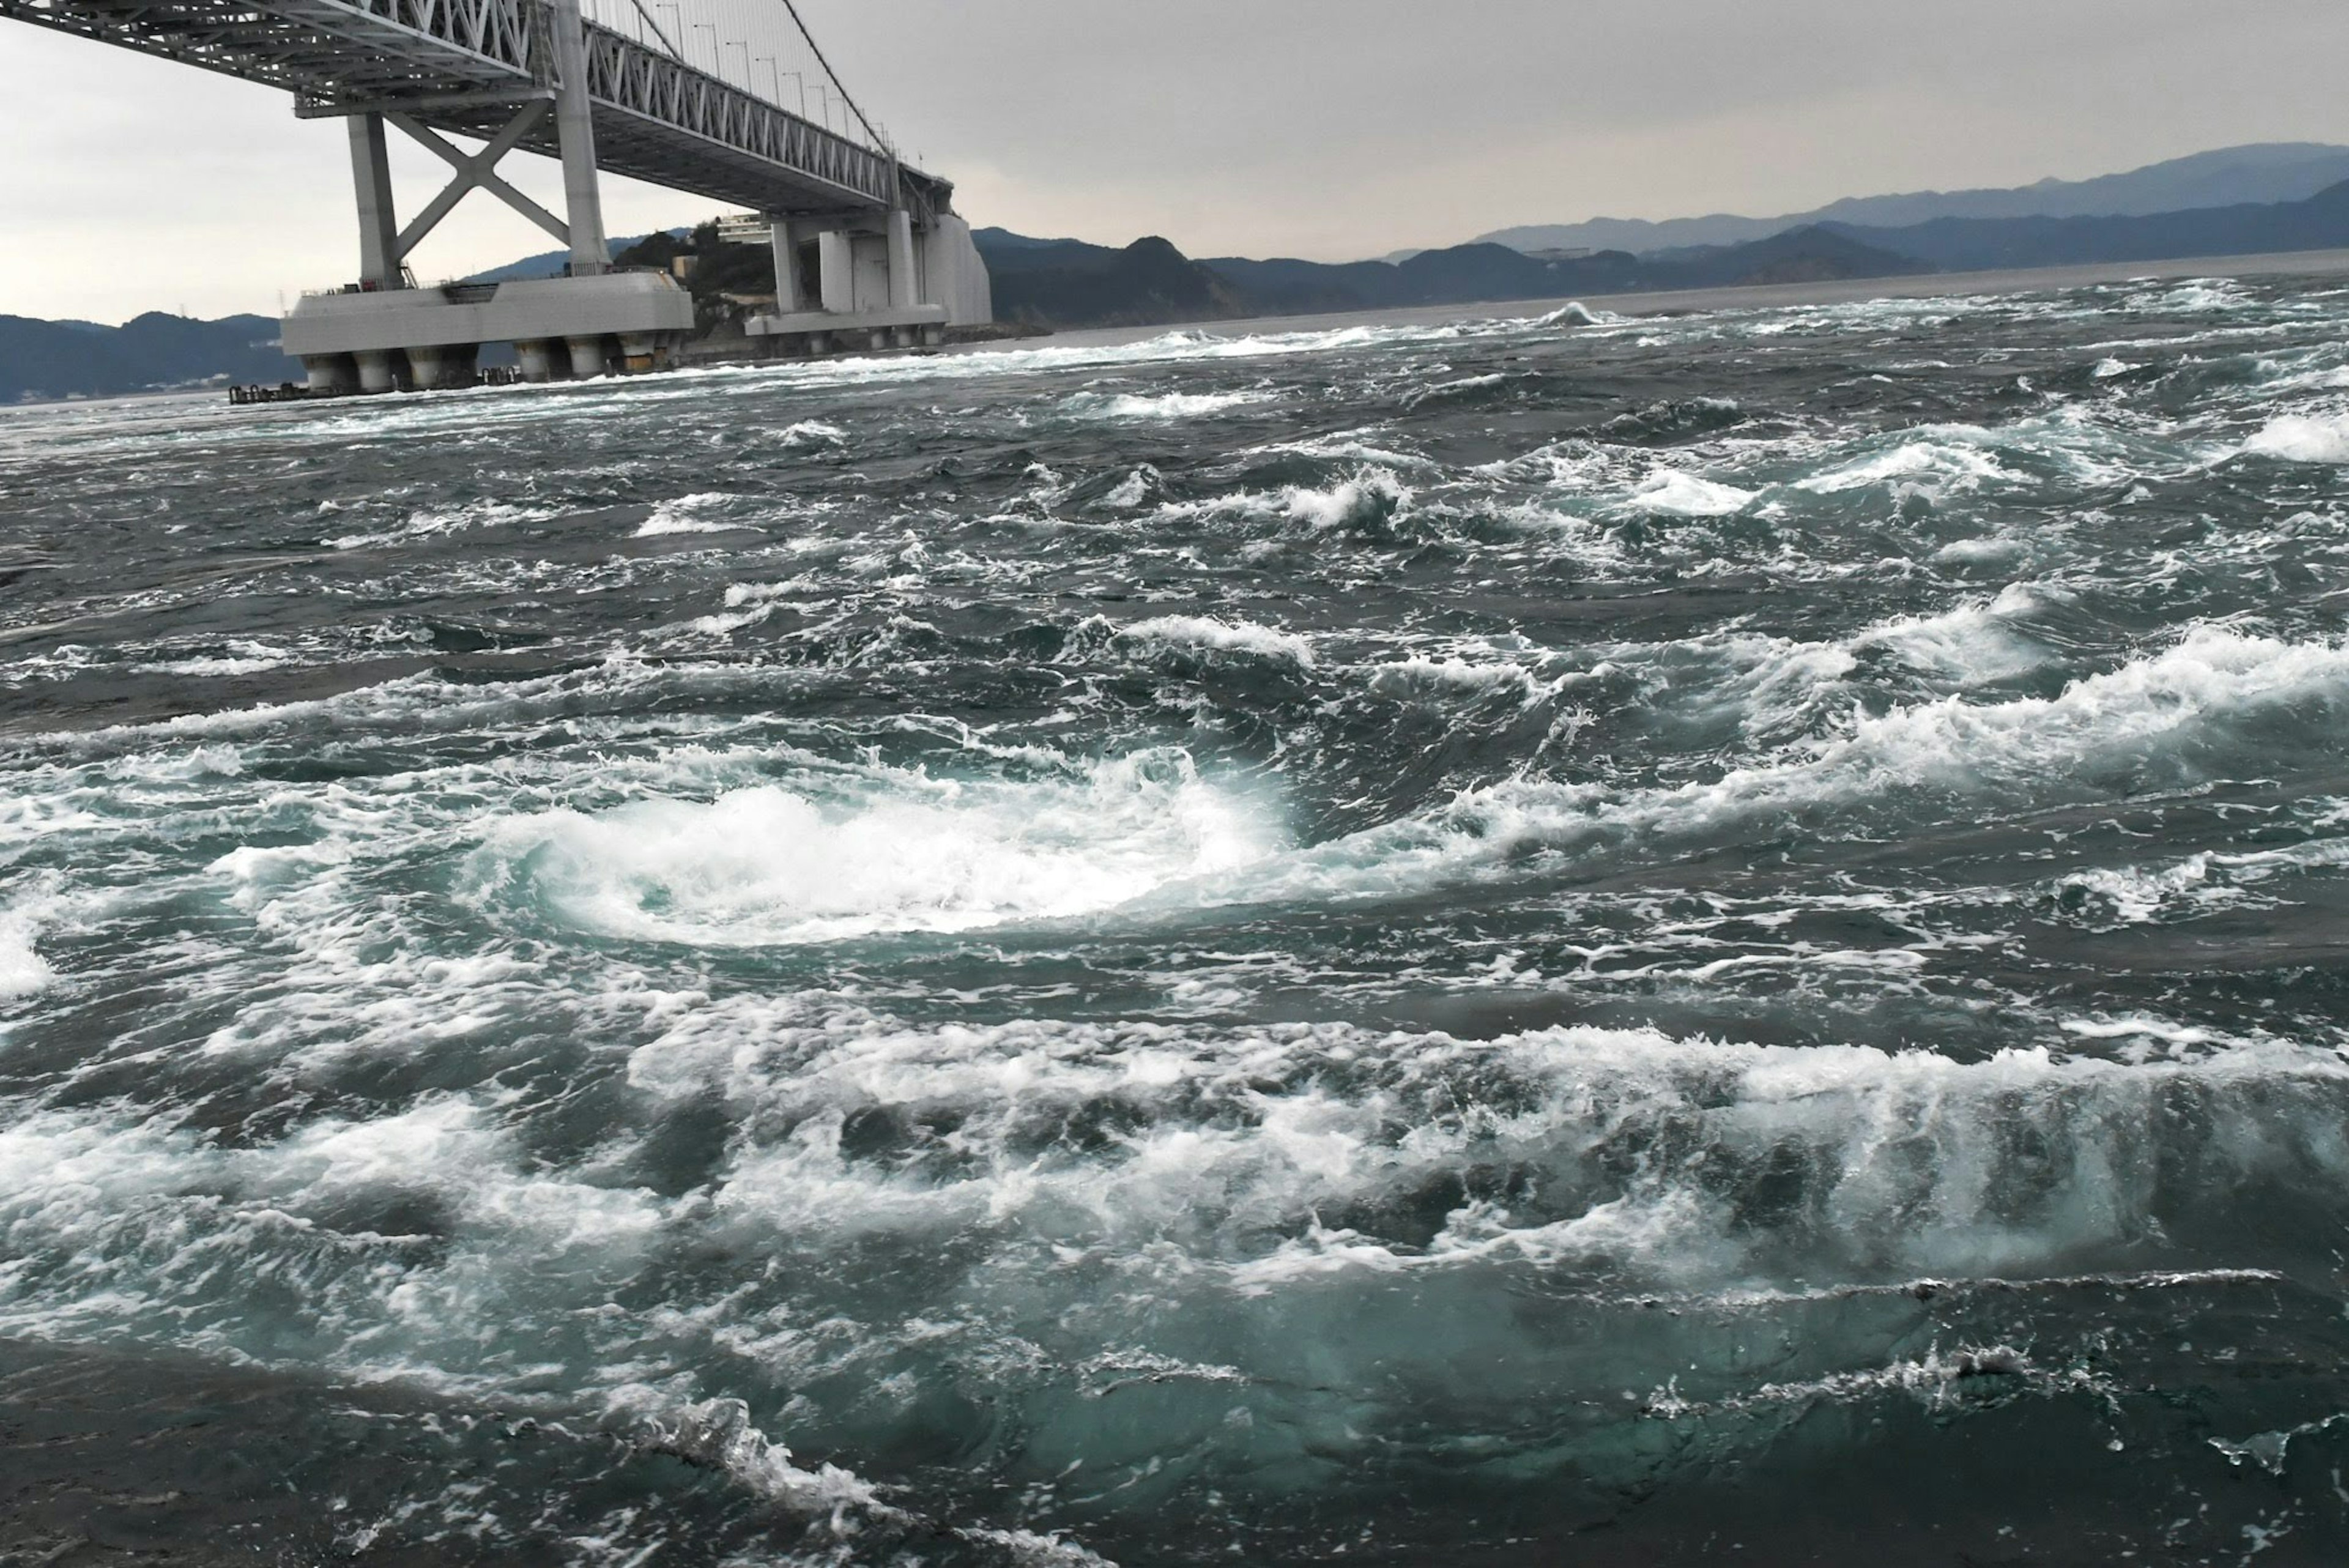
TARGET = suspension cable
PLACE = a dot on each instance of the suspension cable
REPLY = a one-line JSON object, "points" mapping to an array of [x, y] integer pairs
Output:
{"points": [[817, 50]]}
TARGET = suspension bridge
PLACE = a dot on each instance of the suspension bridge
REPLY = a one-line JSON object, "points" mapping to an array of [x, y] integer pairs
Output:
{"points": [[730, 99]]}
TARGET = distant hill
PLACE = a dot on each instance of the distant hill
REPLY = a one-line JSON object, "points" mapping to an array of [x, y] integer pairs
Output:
{"points": [[1068, 284], [1981, 244], [41, 359], [2234, 176]]}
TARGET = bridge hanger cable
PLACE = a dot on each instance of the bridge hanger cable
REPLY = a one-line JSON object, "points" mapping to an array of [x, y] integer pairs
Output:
{"points": [[646, 16], [817, 50]]}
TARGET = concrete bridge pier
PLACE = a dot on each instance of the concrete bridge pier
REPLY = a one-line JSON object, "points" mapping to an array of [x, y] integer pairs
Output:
{"points": [[639, 350], [882, 282], [379, 252], [375, 373], [435, 366], [586, 355], [575, 120], [904, 282], [537, 356], [330, 374], [791, 288]]}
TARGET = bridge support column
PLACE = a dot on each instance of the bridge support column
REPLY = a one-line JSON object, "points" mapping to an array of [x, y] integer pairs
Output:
{"points": [[378, 227], [575, 124], [439, 365], [331, 373], [905, 283], [791, 291], [375, 373], [586, 356], [537, 356], [836, 253]]}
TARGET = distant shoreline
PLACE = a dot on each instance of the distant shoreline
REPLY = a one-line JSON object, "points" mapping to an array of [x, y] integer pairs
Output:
{"points": [[1758, 296], [2332, 264]]}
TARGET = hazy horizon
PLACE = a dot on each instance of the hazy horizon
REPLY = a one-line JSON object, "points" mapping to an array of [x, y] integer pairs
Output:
{"points": [[140, 184]]}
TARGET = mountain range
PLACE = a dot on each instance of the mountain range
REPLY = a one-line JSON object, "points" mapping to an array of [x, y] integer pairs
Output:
{"points": [[2239, 201], [1068, 283], [2259, 174], [41, 359]]}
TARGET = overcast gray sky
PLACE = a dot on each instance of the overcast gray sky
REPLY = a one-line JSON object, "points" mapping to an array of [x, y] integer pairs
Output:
{"points": [[1327, 129]]}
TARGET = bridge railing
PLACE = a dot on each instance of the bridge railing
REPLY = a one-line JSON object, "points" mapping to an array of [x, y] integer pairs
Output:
{"points": [[499, 30], [633, 76]]}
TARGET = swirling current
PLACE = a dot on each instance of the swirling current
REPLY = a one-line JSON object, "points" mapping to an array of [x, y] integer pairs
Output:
{"points": [[1528, 942]]}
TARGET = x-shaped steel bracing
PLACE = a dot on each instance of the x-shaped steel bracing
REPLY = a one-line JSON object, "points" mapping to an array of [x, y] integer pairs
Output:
{"points": [[476, 171]]}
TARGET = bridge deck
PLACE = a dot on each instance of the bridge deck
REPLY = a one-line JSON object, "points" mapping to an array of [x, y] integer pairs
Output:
{"points": [[463, 65]]}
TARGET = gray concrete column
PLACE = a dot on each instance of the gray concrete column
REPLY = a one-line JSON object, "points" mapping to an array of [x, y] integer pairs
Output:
{"points": [[574, 123], [330, 373], [376, 374], [435, 364], [427, 366], [586, 356], [837, 257], [905, 283], [791, 293], [537, 358], [378, 224]]}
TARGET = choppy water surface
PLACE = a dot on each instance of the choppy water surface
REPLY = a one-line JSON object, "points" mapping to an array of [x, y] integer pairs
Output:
{"points": [[1506, 943]]}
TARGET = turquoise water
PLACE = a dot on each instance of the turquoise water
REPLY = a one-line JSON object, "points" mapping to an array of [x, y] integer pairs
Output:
{"points": [[1518, 942]]}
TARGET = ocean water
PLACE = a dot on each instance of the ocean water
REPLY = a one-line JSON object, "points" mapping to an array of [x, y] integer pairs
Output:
{"points": [[1545, 941]]}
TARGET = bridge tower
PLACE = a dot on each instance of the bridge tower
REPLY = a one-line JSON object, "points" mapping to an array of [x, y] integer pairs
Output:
{"points": [[383, 332]]}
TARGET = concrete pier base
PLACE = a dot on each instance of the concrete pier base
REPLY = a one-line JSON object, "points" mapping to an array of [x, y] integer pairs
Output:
{"points": [[821, 331], [882, 283], [431, 336], [436, 365], [331, 373], [376, 374]]}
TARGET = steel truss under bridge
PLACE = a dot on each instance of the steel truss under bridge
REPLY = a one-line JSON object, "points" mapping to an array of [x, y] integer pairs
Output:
{"points": [[467, 67]]}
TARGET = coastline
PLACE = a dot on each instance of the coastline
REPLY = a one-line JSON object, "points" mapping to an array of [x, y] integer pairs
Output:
{"points": [[1754, 296], [2331, 264]]}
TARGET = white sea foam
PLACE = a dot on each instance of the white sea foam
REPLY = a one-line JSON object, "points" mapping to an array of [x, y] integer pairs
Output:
{"points": [[1684, 494], [1134, 489], [22, 971], [2160, 707], [435, 521], [1950, 464], [2303, 438], [1236, 636], [1140, 406], [1575, 314], [1970, 645], [1418, 677], [243, 657], [1366, 501], [684, 515], [2199, 884], [720, 1433], [1911, 1158], [1374, 493], [767, 865]]}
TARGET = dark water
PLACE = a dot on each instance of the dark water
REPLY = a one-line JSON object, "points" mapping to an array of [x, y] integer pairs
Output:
{"points": [[1508, 944]]}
